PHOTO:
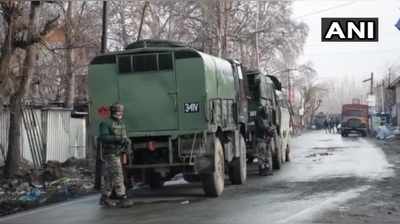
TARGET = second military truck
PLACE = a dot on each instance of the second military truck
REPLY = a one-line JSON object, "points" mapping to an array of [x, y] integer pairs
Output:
{"points": [[185, 112], [266, 91]]}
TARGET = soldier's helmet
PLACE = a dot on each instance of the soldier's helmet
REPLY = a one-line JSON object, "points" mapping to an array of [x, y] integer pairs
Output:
{"points": [[117, 107]]}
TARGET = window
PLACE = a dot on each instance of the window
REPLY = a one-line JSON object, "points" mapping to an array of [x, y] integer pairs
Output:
{"points": [[104, 59], [253, 87], [145, 63], [355, 113], [186, 54], [165, 61], [124, 64]]}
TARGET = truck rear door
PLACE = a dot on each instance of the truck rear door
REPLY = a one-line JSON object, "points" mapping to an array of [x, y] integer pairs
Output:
{"points": [[147, 88]]}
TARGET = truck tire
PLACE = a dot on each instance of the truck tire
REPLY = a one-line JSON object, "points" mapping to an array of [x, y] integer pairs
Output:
{"points": [[277, 156], [154, 179], [287, 152], [99, 169], [190, 177], [238, 166], [213, 183]]}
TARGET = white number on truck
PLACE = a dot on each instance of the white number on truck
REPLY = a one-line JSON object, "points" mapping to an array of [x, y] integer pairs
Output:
{"points": [[191, 108]]}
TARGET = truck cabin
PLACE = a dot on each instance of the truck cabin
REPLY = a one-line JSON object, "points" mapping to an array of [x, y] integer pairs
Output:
{"points": [[261, 90]]}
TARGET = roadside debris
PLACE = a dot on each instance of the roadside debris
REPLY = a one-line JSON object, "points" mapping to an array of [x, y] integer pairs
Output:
{"points": [[319, 154], [387, 133], [185, 202], [54, 183]]}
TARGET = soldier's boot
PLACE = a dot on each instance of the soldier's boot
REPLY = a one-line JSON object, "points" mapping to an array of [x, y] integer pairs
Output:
{"points": [[269, 170], [264, 169], [123, 201], [107, 201]]}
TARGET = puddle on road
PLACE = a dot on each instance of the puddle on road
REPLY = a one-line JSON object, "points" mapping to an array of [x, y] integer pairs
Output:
{"points": [[326, 140], [314, 157], [330, 148], [177, 201], [325, 151], [319, 154]]}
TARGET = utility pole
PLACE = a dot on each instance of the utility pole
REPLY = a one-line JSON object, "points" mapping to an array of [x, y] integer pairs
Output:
{"points": [[104, 27], [289, 87], [257, 20], [370, 98], [146, 4], [371, 80], [383, 96], [98, 179], [372, 83]]}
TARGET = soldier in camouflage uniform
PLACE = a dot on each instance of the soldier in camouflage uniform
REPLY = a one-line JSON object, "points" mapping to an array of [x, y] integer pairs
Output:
{"points": [[114, 140], [264, 134]]}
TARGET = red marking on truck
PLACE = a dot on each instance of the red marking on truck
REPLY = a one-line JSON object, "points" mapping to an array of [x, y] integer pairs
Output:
{"points": [[104, 112]]}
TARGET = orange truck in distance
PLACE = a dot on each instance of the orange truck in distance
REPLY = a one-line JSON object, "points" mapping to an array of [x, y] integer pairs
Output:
{"points": [[354, 119]]}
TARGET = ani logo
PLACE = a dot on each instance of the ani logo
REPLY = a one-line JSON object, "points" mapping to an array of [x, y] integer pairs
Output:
{"points": [[349, 29]]}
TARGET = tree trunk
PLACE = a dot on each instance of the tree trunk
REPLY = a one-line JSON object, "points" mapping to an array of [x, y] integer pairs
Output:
{"points": [[14, 149], [219, 28], [124, 32], [70, 91], [6, 54], [227, 9], [14, 153]]}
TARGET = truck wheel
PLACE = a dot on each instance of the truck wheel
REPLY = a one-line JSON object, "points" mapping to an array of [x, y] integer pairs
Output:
{"points": [[213, 183], [99, 169], [190, 177], [238, 166], [155, 179], [344, 134], [287, 153], [277, 156], [283, 155]]}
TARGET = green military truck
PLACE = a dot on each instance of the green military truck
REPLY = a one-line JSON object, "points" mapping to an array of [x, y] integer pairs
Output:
{"points": [[185, 112], [265, 90]]}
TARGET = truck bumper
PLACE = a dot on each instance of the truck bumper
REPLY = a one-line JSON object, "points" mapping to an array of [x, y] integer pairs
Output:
{"points": [[353, 130]]}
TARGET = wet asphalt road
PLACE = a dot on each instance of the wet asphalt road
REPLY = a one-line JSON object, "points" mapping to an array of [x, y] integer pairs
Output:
{"points": [[326, 172]]}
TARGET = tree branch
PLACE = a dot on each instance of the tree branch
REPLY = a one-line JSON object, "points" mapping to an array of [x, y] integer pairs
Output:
{"points": [[50, 25]]}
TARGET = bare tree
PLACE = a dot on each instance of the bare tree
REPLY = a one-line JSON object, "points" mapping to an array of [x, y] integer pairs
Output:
{"points": [[311, 92], [226, 28], [68, 32], [22, 34]]}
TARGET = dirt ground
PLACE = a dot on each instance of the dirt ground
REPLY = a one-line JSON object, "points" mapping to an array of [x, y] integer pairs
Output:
{"points": [[57, 182], [380, 203]]}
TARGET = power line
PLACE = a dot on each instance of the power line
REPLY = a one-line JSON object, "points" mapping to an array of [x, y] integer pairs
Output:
{"points": [[326, 9], [377, 51]]}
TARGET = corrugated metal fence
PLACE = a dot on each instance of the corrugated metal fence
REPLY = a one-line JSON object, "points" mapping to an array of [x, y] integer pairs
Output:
{"points": [[65, 136]]}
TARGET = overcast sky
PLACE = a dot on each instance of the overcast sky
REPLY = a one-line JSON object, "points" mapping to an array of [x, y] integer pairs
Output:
{"points": [[355, 59]]}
